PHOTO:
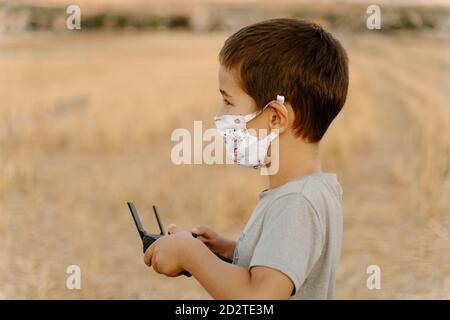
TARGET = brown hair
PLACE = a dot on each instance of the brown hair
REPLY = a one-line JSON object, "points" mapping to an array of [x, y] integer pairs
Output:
{"points": [[294, 58]]}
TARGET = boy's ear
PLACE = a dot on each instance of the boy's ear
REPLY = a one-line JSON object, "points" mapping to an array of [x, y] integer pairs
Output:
{"points": [[278, 117]]}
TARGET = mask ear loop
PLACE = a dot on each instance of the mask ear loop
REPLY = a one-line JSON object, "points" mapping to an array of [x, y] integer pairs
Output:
{"points": [[251, 116], [280, 100]]}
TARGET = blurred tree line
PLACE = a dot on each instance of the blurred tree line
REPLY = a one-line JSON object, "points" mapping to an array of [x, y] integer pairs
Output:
{"points": [[219, 16]]}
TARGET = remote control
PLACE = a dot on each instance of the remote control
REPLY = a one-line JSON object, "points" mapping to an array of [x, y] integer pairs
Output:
{"points": [[148, 238]]}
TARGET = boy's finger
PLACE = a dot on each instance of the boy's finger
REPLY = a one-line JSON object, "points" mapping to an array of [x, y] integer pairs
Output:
{"points": [[203, 239], [201, 230], [148, 255]]}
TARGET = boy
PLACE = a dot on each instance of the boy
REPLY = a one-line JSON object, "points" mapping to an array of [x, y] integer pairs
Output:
{"points": [[289, 77]]}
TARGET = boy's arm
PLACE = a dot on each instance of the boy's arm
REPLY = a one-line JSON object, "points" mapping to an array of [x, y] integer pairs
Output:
{"points": [[224, 280]]}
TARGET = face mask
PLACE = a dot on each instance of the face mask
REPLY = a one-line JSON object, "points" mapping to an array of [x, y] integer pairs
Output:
{"points": [[242, 147]]}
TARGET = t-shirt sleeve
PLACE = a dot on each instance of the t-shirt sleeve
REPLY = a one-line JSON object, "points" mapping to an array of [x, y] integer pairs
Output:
{"points": [[291, 240]]}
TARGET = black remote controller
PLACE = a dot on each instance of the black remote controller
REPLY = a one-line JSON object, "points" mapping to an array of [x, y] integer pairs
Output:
{"points": [[148, 238]]}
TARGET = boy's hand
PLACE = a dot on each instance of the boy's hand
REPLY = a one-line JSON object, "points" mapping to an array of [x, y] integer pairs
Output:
{"points": [[166, 254], [215, 242]]}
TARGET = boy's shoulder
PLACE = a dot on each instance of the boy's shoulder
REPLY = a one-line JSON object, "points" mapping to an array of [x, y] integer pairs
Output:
{"points": [[318, 193]]}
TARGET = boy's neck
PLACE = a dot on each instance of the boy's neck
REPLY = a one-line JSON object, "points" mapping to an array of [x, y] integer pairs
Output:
{"points": [[296, 160]]}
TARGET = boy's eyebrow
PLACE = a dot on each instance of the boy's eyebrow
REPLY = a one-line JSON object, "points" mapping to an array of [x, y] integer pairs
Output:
{"points": [[224, 93]]}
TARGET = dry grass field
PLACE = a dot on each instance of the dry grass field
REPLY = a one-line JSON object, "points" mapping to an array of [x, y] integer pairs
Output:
{"points": [[85, 125]]}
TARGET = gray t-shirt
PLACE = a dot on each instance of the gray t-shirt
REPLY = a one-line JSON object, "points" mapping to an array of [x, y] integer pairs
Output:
{"points": [[297, 229]]}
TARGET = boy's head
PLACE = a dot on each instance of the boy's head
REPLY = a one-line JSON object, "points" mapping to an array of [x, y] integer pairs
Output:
{"points": [[288, 57]]}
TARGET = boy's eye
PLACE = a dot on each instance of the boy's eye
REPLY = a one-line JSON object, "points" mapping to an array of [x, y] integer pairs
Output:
{"points": [[227, 102]]}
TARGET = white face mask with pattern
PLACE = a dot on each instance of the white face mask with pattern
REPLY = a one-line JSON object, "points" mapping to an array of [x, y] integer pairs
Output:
{"points": [[242, 147]]}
